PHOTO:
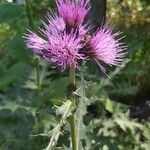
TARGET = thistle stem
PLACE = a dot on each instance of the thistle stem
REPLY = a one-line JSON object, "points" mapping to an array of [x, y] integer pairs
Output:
{"points": [[73, 133], [73, 120], [72, 79]]}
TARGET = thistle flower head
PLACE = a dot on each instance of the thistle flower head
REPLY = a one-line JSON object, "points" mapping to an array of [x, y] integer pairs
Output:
{"points": [[73, 12], [66, 38], [64, 50], [58, 46], [105, 46]]}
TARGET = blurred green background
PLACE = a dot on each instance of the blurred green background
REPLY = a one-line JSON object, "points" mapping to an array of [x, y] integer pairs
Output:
{"points": [[118, 117]]}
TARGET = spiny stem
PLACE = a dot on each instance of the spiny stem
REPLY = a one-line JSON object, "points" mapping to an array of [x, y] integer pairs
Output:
{"points": [[73, 133], [72, 79], [72, 117]]}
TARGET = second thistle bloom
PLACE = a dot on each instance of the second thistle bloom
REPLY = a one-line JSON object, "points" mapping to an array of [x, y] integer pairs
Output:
{"points": [[105, 46]]}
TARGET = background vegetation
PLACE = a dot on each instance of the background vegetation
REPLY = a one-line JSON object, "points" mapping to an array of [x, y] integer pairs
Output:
{"points": [[117, 112]]}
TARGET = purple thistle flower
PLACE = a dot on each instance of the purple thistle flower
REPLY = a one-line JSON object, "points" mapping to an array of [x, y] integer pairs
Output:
{"points": [[105, 46], [73, 12], [58, 46], [34, 42], [66, 39], [64, 50]]}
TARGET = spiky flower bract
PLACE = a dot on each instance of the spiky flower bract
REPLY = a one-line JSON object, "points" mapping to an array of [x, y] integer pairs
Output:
{"points": [[73, 12], [105, 46]]}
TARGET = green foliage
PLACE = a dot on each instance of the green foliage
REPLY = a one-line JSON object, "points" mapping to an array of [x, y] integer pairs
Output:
{"points": [[65, 111], [10, 12], [34, 109], [131, 13]]}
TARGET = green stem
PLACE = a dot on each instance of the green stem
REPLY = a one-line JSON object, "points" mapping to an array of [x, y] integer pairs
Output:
{"points": [[29, 13], [72, 118], [72, 75], [73, 133]]}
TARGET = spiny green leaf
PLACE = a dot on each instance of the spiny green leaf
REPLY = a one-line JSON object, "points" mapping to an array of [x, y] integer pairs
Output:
{"points": [[30, 85], [82, 108], [109, 105], [13, 106], [55, 133], [65, 109], [81, 111]]}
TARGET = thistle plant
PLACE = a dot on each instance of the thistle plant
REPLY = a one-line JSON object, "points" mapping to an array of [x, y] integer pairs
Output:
{"points": [[66, 42]]}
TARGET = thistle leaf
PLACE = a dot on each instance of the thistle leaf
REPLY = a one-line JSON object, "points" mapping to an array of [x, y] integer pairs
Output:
{"points": [[65, 111]]}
